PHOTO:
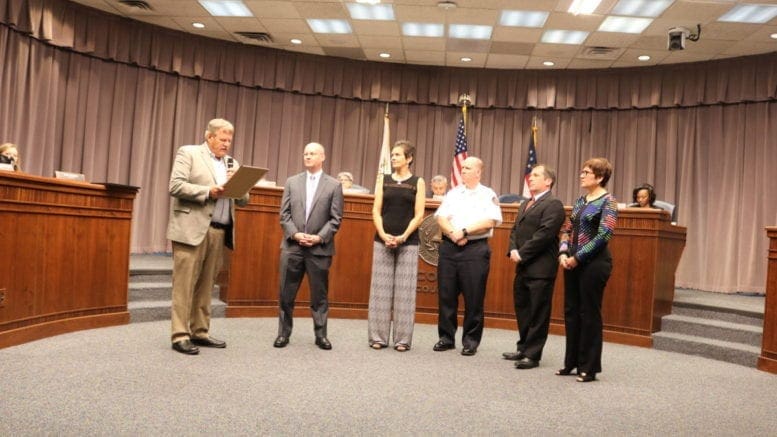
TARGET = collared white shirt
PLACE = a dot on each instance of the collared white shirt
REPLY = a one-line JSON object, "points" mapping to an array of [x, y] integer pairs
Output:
{"points": [[311, 184], [464, 207], [221, 213]]}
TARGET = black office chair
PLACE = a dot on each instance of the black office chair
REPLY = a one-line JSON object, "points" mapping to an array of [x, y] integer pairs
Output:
{"points": [[511, 198]]}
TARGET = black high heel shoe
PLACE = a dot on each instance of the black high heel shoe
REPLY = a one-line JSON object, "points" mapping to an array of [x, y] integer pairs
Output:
{"points": [[566, 371], [586, 377]]}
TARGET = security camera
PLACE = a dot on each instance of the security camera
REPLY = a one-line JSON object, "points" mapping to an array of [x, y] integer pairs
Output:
{"points": [[676, 38]]}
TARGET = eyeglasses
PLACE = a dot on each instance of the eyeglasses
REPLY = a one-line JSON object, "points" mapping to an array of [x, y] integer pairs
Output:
{"points": [[586, 172]]}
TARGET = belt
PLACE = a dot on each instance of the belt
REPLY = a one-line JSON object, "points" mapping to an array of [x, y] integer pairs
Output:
{"points": [[216, 225], [469, 242]]}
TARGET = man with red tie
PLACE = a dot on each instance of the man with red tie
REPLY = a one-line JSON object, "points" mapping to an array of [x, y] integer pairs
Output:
{"points": [[534, 248]]}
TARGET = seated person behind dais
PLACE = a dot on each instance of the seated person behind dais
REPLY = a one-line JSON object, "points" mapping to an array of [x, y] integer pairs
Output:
{"points": [[644, 197], [9, 154], [346, 180]]}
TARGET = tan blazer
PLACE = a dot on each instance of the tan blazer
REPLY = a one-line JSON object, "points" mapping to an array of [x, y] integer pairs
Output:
{"points": [[190, 181]]}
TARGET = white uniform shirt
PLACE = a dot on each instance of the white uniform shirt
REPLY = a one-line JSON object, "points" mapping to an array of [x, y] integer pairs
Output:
{"points": [[464, 207]]}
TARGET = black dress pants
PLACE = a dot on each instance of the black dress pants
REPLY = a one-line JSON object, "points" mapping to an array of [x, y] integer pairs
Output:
{"points": [[462, 270], [583, 292]]}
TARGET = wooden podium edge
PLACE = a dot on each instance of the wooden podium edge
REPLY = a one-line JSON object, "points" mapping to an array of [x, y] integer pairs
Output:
{"points": [[767, 364], [40, 331]]}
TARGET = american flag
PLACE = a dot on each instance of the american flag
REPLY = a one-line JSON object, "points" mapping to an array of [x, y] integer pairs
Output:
{"points": [[459, 155], [531, 161]]}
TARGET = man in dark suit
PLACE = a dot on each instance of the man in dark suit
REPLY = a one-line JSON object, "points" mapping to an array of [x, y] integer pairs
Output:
{"points": [[534, 249], [311, 211], [200, 226]]}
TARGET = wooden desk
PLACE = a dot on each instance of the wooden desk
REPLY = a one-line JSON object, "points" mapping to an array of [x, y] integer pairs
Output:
{"points": [[65, 249], [768, 359], [646, 250]]}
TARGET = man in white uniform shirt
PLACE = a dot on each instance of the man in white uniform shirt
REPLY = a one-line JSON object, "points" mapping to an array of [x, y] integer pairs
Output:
{"points": [[467, 217]]}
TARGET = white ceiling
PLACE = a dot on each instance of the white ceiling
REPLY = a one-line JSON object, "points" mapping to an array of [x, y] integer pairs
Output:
{"points": [[509, 47]]}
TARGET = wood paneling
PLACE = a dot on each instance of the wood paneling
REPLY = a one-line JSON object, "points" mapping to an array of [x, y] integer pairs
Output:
{"points": [[65, 247], [646, 250], [768, 359]]}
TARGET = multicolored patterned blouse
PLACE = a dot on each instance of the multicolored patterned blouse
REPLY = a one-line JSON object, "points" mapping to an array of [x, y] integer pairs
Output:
{"points": [[589, 227]]}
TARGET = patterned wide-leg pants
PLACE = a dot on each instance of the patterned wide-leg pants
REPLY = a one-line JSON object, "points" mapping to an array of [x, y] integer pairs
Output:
{"points": [[392, 293]]}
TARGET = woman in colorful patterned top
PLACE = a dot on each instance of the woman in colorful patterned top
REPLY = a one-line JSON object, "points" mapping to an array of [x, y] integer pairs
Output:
{"points": [[397, 212], [587, 262]]}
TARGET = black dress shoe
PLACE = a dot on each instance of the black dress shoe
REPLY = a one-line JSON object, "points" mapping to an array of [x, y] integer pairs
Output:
{"points": [[186, 347], [469, 351], [512, 356], [443, 345], [323, 343], [586, 377], [209, 342], [526, 363], [281, 341]]}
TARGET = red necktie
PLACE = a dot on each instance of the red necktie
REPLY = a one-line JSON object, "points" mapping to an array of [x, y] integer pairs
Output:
{"points": [[530, 203]]}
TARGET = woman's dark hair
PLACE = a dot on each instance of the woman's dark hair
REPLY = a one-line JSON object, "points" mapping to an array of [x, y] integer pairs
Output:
{"points": [[408, 148], [650, 190], [601, 168]]}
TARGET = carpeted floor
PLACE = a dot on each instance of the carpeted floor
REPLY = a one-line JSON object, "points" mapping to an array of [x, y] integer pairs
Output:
{"points": [[127, 381]]}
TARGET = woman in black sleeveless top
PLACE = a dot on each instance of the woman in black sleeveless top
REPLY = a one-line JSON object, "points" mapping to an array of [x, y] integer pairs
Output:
{"points": [[397, 213]]}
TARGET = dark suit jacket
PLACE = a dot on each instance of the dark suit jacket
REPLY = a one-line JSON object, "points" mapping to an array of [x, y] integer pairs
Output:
{"points": [[325, 214], [535, 236], [190, 181]]}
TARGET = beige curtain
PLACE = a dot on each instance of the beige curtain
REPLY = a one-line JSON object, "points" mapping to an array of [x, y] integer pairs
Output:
{"points": [[113, 99]]}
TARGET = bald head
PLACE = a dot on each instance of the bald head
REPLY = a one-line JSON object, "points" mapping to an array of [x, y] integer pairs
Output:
{"points": [[471, 170], [314, 157]]}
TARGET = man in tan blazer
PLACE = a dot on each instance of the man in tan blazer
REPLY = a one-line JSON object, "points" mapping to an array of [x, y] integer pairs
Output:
{"points": [[200, 226]]}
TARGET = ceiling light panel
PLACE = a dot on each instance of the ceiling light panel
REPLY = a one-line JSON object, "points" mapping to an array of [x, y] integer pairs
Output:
{"points": [[554, 36], [641, 8], [583, 6], [229, 8], [746, 13], [523, 18], [625, 24], [469, 31], [423, 29], [328, 26], [370, 12]]}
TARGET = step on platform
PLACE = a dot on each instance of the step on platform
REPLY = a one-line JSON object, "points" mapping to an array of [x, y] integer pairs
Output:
{"points": [[713, 325], [150, 289]]}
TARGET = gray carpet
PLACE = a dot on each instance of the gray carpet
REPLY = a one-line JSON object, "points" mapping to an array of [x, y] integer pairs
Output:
{"points": [[127, 381]]}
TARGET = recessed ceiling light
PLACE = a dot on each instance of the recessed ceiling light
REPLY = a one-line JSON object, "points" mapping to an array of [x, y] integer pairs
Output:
{"points": [[583, 6], [643, 57], [295, 41], [554, 36], [469, 31], [370, 12], [423, 29], [624, 24], [329, 26], [466, 59], [523, 18], [641, 8], [368, 2], [198, 25], [226, 8], [385, 55], [745, 13], [773, 36], [548, 63]]}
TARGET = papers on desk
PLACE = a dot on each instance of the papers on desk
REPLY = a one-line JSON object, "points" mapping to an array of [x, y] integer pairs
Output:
{"points": [[243, 180]]}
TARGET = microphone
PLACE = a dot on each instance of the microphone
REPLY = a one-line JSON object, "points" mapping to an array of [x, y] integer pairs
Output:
{"points": [[230, 163]]}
